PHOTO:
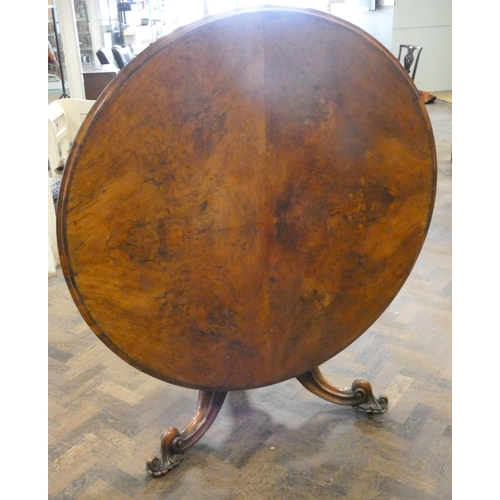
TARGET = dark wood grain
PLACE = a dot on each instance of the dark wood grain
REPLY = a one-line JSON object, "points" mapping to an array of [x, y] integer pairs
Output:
{"points": [[96, 80], [246, 198]]}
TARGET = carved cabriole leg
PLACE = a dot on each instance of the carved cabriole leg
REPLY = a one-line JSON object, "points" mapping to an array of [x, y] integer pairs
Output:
{"points": [[360, 394], [175, 443]]}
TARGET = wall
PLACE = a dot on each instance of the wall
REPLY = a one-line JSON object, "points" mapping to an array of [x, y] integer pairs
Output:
{"points": [[426, 23]]}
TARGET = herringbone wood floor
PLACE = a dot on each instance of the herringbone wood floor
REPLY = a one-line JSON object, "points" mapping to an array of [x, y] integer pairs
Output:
{"points": [[279, 442]]}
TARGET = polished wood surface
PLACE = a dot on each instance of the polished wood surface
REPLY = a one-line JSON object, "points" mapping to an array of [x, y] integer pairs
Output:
{"points": [[246, 198], [96, 80]]}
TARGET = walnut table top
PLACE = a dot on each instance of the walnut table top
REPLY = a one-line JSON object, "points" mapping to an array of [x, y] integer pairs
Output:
{"points": [[246, 198]]}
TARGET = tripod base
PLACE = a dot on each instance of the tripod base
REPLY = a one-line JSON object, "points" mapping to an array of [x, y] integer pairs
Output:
{"points": [[174, 442]]}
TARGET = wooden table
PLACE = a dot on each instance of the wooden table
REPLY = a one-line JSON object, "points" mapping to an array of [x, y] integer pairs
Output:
{"points": [[243, 201]]}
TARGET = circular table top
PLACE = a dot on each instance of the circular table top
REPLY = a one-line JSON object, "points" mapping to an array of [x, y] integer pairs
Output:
{"points": [[246, 198]]}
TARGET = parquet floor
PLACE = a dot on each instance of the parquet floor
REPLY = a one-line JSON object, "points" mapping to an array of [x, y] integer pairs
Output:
{"points": [[278, 442]]}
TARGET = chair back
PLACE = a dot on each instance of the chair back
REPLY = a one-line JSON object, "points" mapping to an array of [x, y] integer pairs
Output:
{"points": [[410, 61], [65, 117], [122, 55], [59, 143], [76, 111], [104, 56]]}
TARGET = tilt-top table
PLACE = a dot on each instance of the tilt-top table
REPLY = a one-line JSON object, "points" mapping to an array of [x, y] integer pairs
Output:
{"points": [[243, 201]]}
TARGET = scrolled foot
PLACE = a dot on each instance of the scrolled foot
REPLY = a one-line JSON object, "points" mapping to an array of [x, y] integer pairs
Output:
{"points": [[363, 393], [157, 468], [360, 395], [175, 443], [169, 458]]}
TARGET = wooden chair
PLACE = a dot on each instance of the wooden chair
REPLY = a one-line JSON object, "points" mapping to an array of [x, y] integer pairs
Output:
{"points": [[410, 61]]}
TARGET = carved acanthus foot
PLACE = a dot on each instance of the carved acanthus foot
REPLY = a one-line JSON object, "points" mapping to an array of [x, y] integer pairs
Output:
{"points": [[362, 390], [175, 443], [170, 456], [360, 395]]}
